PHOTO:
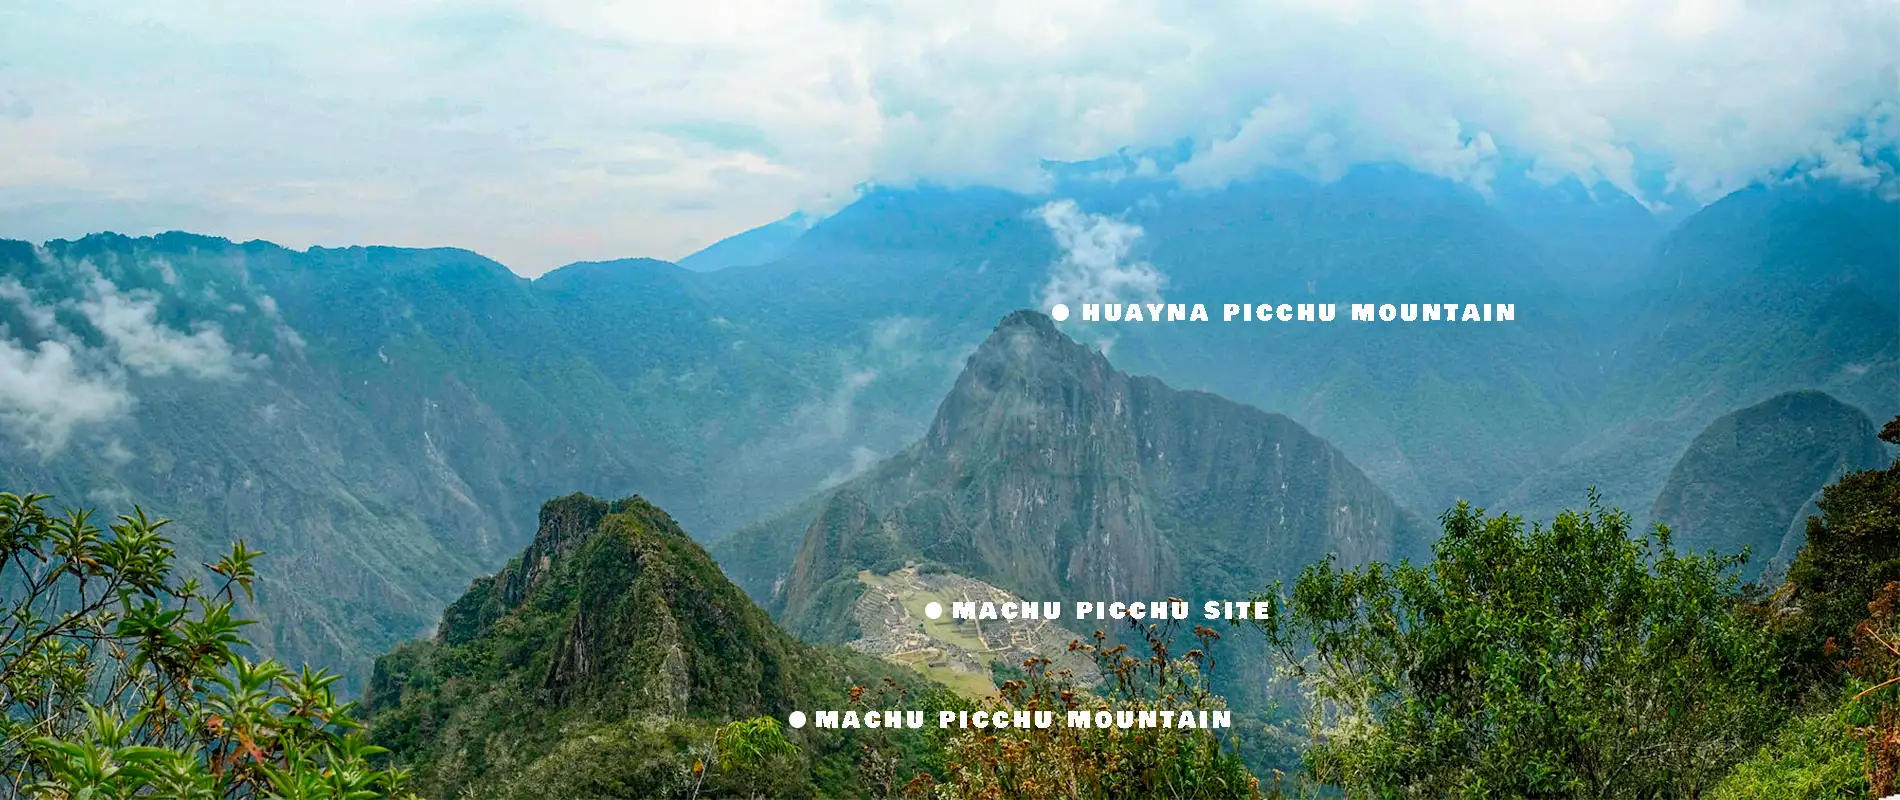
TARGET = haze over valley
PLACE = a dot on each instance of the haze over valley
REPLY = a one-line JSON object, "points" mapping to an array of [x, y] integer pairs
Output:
{"points": [[383, 421], [606, 399]]}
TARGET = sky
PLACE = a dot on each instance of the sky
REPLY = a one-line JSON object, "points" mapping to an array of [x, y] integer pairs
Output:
{"points": [[541, 132]]}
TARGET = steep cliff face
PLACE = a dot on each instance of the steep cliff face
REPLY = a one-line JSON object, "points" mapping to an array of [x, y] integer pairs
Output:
{"points": [[1751, 478], [384, 421], [1051, 474], [613, 633]]}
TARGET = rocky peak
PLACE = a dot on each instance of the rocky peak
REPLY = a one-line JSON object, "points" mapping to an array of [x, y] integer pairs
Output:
{"points": [[565, 523], [1027, 337], [1046, 470], [1026, 375], [1049, 474]]}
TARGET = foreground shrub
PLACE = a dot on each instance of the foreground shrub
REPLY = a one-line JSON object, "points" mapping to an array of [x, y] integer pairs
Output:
{"points": [[121, 679]]}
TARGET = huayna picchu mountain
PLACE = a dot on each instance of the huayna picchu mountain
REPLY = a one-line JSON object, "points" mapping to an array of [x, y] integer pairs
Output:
{"points": [[1052, 475], [1751, 478], [599, 663]]}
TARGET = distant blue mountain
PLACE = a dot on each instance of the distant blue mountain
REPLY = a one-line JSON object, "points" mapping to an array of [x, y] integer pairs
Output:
{"points": [[760, 245], [392, 416]]}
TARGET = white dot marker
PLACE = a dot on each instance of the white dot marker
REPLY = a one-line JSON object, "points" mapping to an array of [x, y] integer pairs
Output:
{"points": [[1060, 312], [797, 718], [935, 609]]}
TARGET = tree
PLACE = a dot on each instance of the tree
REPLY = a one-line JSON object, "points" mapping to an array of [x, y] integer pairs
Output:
{"points": [[1568, 661], [1852, 549], [1875, 664], [744, 747], [1837, 639], [121, 679], [1061, 761]]}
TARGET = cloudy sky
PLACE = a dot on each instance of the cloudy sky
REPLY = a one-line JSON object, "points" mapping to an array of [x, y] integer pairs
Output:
{"points": [[546, 131]]}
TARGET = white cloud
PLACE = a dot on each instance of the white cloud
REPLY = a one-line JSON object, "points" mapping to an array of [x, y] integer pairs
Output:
{"points": [[900, 339], [52, 383], [165, 271], [555, 130], [290, 336], [116, 453], [1094, 264], [41, 318], [129, 322], [46, 391], [862, 458]]}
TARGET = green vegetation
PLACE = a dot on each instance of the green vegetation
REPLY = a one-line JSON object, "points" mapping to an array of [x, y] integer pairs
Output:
{"points": [[1572, 660], [433, 397], [913, 596], [399, 414], [1838, 641], [935, 666], [1580, 660], [612, 659], [1584, 657], [429, 399], [1811, 758], [1061, 762], [1003, 673], [1853, 549], [122, 679]]}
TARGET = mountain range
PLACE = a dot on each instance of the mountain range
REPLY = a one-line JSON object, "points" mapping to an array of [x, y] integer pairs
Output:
{"points": [[383, 421]]}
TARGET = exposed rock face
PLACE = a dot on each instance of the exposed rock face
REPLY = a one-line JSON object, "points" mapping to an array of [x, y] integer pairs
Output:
{"points": [[1750, 479], [1055, 477], [565, 524], [396, 415]]}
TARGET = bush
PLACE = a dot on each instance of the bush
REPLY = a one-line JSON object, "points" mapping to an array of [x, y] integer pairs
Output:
{"points": [[1812, 758], [1065, 762], [1565, 661], [120, 679]]}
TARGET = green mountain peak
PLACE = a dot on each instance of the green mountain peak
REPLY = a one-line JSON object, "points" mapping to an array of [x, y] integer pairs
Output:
{"points": [[612, 638]]}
